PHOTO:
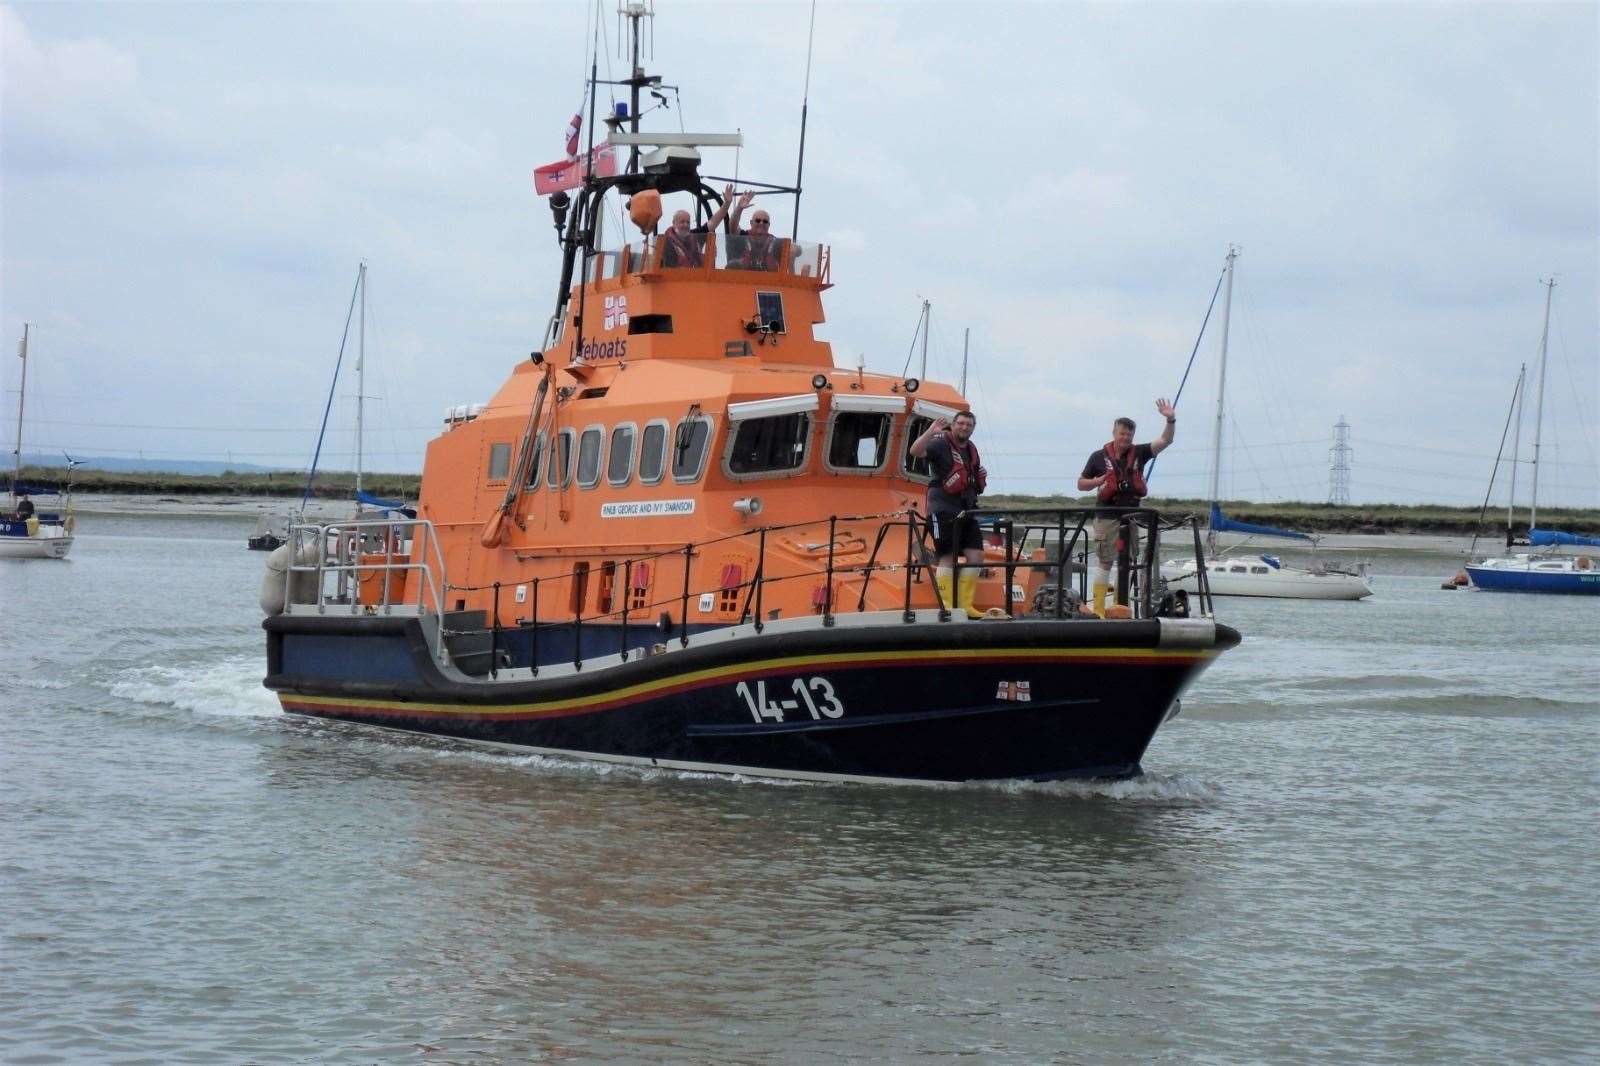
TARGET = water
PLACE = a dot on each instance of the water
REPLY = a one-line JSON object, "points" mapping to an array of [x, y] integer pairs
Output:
{"points": [[1369, 837]]}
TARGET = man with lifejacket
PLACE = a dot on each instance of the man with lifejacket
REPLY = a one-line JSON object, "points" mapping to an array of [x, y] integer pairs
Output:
{"points": [[958, 479], [1116, 475], [683, 246]]}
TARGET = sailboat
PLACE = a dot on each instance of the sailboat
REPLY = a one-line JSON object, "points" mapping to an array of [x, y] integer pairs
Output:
{"points": [[1542, 571], [272, 529], [1259, 575], [24, 532]]}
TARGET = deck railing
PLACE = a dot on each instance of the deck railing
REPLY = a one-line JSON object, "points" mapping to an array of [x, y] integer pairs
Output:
{"points": [[360, 567]]}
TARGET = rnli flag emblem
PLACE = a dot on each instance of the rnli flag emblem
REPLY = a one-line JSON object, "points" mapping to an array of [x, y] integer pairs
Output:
{"points": [[616, 311]]}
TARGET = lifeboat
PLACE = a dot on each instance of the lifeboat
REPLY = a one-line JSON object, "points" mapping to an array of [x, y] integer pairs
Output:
{"points": [[679, 536]]}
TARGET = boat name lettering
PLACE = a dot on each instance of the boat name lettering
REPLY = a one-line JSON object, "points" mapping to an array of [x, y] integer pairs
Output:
{"points": [[815, 694], [617, 349], [646, 508]]}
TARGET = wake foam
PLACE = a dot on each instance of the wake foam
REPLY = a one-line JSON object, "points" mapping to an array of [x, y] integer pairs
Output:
{"points": [[230, 688]]}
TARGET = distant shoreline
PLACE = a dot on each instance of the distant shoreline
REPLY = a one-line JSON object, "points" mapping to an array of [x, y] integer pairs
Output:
{"points": [[1388, 528]]}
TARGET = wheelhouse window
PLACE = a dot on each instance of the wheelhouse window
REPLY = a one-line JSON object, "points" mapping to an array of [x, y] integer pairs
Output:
{"points": [[589, 456], [914, 467], [499, 461], [769, 445], [619, 460], [653, 453], [559, 473], [860, 440], [689, 448]]}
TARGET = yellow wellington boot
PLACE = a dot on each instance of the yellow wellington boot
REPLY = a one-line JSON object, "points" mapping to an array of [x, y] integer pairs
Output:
{"points": [[968, 591], [1102, 593], [943, 580]]}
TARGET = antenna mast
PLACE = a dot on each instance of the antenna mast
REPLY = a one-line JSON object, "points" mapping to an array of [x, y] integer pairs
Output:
{"points": [[805, 105], [966, 342]]}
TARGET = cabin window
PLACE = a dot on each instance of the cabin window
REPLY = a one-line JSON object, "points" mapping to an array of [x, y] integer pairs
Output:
{"points": [[653, 453], [538, 462], [589, 457], [619, 461], [689, 448], [499, 462], [860, 440], [1258, 570], [1238, 569], [769, 445], [559, 473], [1219, 569], [916, 426]]}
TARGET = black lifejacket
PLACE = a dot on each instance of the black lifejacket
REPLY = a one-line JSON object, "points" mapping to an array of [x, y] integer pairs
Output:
{"points": [[966, 472], [1125, 470]]}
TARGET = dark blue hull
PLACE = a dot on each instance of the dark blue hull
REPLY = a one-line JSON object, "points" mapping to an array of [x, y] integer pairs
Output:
{"points": [[932, 702], [1575, 582]]}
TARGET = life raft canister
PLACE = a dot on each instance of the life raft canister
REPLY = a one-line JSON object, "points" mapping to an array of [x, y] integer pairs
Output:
{"points": [[964, 469], [1121, 472]]}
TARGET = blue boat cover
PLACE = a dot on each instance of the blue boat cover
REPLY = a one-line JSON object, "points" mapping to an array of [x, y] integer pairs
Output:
{"points": [[372, 501], [1220, 524], [1540, 538]]}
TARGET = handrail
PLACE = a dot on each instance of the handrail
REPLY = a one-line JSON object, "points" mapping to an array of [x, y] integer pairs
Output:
{"points": [[1062, 532]]}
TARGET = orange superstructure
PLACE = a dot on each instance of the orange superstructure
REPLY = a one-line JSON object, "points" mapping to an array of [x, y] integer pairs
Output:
{"points": [[706, 408]]}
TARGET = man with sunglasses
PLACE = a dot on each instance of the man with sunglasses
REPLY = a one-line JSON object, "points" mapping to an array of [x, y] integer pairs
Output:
{"points": [[754, 248]]}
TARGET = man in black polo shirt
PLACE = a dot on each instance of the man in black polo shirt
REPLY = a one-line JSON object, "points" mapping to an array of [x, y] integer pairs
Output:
{"points": [[958, 479], [1116, 474]]}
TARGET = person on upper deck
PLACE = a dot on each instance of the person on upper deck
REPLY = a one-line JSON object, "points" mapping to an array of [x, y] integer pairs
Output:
{"points": [[1116, 474], [683, 246], [24, 506], [958, 479], [754, 248]]}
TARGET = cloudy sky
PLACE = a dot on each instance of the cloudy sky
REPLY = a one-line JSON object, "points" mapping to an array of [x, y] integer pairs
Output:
{"points": [[186, 190]]}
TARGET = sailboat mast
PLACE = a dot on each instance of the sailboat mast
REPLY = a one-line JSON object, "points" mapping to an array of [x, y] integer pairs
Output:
{"points": [[927, 328], [1222, 385], [966, 342], [22, 396], [1538, 409], [361, 381], [1516, 443]]}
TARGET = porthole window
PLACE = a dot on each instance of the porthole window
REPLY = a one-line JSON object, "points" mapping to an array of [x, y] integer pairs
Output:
{"points": [[589, 456], [689, 447], [558, 475], [499, 462], [653, 453], [619, 460], [1238, 569], [1258, 570], [769, 445], [859, 441]]}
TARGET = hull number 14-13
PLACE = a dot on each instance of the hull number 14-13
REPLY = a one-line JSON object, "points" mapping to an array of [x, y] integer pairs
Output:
{"points": [[815, 695]]}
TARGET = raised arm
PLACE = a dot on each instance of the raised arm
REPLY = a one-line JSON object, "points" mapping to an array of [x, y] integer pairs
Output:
{"points": [[919, 447], [722, 209], [745, 199], [1169, 412]]}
